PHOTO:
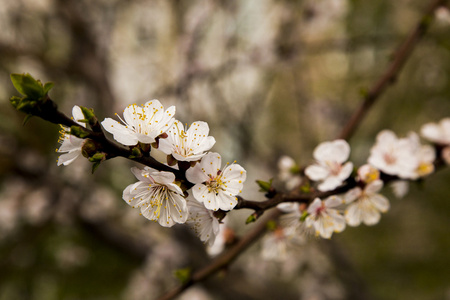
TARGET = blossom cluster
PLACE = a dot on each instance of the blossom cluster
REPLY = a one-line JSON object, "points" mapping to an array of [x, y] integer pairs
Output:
{"points": [[159, 195], [207, 187], [356, 199]]}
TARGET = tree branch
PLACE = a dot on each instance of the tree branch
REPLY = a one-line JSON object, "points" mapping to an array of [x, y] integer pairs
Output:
{"points": [[226, 258], [388, 78], [392, 72]]}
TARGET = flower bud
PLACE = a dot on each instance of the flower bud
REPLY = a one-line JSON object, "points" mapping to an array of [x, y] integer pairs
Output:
{"points": [[79, 132], [89, 148]]}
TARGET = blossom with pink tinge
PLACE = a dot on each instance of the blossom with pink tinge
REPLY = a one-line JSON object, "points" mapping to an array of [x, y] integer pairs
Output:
{"points": [[324, 218], [330, 168]]}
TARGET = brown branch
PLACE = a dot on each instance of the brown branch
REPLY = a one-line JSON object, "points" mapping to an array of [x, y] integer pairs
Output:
{"points": [[388, 78], [226, 258], [392, 72]]}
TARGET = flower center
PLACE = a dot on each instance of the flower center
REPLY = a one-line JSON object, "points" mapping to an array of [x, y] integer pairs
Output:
{"points": [[320, 209], [389, 158], [425, 169], [335, 168], [215, 184]]}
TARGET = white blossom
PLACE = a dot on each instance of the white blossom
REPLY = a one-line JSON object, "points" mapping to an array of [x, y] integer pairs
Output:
{"points": [[187, 144], [400, 188], [274, 245], [329, 168], [157, 196], [202, 222], [394, 156], [440, 134], [365, 205], [368, 173], [446, 155], [69, 143], [291, 222], [142, 123], [216, 188], [425, 156], [286, 165], [437, 133], [324, 218]]}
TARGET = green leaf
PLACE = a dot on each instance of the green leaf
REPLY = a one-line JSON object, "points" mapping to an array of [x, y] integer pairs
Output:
{"points": [[27, 118], [250, 219], [271, 225], [306, 188], [26, 106], [183, 275], [264, 185], [95, 166], [15, 101], [47, 87], [79, 132], [89, 115], [304, 215], [28, 86]]}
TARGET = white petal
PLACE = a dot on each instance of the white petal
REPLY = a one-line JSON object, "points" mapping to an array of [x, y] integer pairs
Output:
{"points": [[199, 191], [195, 174], [432, 132], [352, 195], [400, 188], [288, 207], [329, 184], [317, 172], [386, 137], [373, 187], [353, 215], [371, 217], [120, 133], [211, 163], [68, 158], [316, 204], [337, 151], [380, 202], [226, 201], [346, 171], [333, 201], [78, 115]]}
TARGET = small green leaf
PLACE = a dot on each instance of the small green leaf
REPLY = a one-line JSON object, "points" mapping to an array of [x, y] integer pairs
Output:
{"points": [[183, 275], [264, 185], [15, 101], [304, 215], [26, 106], [271, 225], [135, 152], [306, 188], [98, 157], [27, 118], [95, 166], [79, 131], [295, 169], [89, 115], [28, 86], [47, 87], [250, 219]]}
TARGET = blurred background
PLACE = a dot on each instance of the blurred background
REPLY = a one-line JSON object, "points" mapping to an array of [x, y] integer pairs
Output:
{"points": [[271, 78]]}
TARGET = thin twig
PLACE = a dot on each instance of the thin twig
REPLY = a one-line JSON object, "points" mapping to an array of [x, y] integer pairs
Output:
{"points": [[388, 78], [392, 72], [225, 258]]}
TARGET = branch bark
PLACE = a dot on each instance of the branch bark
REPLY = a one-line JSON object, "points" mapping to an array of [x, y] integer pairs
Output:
{"points": [[392, 72], [388, 78]]}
